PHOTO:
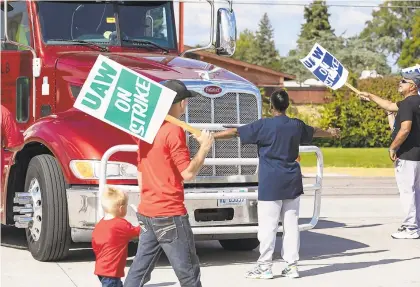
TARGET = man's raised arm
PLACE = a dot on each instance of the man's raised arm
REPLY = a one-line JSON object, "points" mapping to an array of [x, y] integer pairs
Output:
{"points": [[205, 140], [384, 104]]}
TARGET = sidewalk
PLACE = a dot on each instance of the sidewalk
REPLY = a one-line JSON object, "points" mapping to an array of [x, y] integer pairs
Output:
{"points": [[350, 171]]}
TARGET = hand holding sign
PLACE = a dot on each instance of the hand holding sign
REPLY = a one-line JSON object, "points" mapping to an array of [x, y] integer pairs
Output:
{"points": [[127, 100], [327, 68]]}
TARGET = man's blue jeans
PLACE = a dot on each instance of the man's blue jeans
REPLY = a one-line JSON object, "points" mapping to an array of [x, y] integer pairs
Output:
{"points": [[172, 235]]}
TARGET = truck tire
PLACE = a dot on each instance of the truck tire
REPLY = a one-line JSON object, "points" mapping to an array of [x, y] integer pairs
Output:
{"points": [[243, 244], [48, 236]]}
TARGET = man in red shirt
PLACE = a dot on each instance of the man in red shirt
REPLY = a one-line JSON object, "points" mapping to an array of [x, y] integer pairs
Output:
{"points": [[163, 166], [11, 137]]}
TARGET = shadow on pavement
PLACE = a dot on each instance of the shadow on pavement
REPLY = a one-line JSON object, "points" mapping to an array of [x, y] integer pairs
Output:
{"points": [[314, 245], [13, 237], [349, 266]]}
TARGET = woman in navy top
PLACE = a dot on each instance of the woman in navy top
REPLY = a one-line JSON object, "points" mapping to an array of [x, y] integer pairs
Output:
{"points": [[280, 180]]}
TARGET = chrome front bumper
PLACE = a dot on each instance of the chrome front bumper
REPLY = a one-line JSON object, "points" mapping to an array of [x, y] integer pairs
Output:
{"points": [[209, 217]]}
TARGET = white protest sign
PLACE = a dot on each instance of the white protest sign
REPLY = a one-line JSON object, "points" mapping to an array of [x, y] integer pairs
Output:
{"points": [[413, 69], [325, 67], [124, 99], [409, 70]]}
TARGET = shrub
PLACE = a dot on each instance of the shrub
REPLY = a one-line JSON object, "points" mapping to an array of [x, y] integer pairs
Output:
{"points": [[362, 124]]}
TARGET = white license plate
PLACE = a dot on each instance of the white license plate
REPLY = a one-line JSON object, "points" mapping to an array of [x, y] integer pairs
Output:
{"points": [[231, 202]]}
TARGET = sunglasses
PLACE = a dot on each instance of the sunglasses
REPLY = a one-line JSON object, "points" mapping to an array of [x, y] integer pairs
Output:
{"points": [[404, 81]]}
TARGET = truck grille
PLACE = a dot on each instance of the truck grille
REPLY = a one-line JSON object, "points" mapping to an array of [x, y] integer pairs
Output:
{"points": [[231, 108]]}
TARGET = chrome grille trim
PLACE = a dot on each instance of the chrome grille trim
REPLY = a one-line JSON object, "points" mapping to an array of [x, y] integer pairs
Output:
{"points": [[238, 111], [244, 102]]}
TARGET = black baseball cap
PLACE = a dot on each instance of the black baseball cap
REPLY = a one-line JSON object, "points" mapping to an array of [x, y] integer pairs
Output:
{"points": [[413, 76], [181, 90]]}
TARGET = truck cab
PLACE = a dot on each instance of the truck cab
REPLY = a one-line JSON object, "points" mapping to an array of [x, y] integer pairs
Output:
{"points": [[51, 187]]}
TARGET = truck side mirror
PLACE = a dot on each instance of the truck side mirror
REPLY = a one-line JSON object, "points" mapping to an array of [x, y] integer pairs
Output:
{"points": [[226, 32]]}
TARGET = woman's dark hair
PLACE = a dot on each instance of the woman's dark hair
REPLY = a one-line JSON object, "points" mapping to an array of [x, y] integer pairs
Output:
{"points": [[280, 100]]}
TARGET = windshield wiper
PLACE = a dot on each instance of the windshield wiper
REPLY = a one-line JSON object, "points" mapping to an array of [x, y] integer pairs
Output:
{"points": [[82, 42], [145, 42]]}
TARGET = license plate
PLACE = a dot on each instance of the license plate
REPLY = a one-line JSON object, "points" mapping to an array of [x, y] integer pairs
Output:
{"points": [[231, 202]]}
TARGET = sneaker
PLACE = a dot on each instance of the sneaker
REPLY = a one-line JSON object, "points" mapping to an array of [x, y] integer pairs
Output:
{"points": [[259, 273], [405, 232], [290, 271]]}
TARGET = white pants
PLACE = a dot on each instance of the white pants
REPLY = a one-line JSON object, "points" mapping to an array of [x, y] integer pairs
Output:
{"points": [[407, 174], [269, 215]]}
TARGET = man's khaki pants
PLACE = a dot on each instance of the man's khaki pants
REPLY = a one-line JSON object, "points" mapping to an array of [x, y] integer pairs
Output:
{"points": [[407, 174], [269, 215]]}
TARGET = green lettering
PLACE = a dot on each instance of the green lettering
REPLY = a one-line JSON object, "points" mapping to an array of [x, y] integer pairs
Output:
{"points": [[92, 101], [99, 89], [106, 74]]}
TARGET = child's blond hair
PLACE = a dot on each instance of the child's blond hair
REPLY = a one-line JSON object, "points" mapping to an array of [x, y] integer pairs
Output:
{"points": [[112, 199]]}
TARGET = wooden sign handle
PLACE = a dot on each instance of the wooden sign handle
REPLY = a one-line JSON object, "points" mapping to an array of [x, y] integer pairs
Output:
{"points": [[183, 125], [356, 91], [352, 88]]}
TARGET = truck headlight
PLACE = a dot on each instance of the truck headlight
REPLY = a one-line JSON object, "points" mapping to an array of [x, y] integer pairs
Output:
{"points": [[89, 169]]}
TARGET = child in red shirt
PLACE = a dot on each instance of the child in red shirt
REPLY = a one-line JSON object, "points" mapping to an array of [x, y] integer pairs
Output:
{"points": [[110, 238]]}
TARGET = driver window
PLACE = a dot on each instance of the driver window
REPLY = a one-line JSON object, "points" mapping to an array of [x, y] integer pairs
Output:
{"points": [[156, 23], [93, 22], [18, 28]]}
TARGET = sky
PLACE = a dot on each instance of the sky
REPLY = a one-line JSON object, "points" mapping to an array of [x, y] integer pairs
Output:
{"points": [[286, 20]]}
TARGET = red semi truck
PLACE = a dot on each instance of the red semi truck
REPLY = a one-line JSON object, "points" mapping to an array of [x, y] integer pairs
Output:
{"points": [[50, 188]]}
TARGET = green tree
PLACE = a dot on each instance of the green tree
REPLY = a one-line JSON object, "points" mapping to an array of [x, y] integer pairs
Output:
{"points": [[316, 21], [390, 26], [410, 54], [266, 54], [246, 48], [316, 29], [357, 55]]}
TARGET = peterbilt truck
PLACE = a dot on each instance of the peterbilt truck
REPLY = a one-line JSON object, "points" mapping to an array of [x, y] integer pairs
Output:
{"points": [[51, 187]]}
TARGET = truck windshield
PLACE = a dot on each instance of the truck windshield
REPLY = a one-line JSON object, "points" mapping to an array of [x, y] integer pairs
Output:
{"points": [[108, 22]]}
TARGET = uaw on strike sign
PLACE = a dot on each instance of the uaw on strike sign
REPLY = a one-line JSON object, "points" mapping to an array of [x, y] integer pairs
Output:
{"points": [[124, 99], [325, 67], [413, 69]]}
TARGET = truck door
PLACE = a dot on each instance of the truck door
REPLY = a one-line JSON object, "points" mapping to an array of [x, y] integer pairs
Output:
{"points": [[16, 73]]}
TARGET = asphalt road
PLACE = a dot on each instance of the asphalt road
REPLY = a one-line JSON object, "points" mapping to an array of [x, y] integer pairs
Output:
{"points": [[350, 246]]}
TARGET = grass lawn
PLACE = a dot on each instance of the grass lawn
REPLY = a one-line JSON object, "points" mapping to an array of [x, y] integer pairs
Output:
{"points": [[350, 157]]}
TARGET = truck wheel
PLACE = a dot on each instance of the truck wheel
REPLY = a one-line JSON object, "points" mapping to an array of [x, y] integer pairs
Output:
{"points": [[48, 234], [243, 244]]}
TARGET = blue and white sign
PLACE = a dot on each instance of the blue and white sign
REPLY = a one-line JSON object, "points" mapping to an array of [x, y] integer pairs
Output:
{"points": [[413, 69], [410, 70], [325, 67]]}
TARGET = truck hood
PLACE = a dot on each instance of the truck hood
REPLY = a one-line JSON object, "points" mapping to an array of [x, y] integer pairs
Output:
{"points": [[76, 65]]}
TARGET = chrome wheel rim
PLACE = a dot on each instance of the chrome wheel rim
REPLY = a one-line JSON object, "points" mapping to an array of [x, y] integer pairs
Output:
{"points": [[36, 223]]}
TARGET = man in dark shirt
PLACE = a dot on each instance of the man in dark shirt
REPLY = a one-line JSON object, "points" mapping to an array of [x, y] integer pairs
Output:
{"points": [[280, 180], [405, 151]]}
